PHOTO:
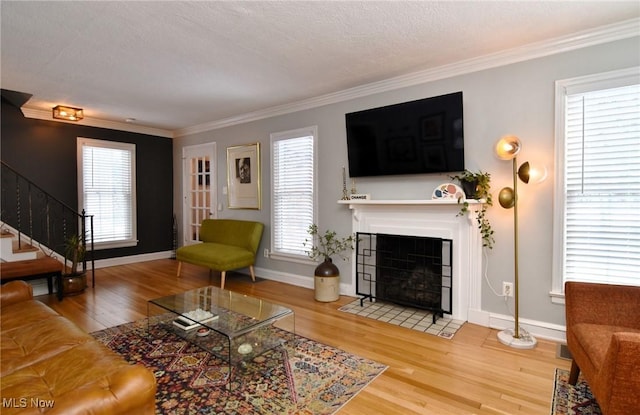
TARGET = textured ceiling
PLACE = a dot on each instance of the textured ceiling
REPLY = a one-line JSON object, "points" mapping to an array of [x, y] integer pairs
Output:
{"points": [[174, 65]]}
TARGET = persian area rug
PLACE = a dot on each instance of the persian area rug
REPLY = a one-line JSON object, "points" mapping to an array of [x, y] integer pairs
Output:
{"points": [[572, 400], [301, 376]]}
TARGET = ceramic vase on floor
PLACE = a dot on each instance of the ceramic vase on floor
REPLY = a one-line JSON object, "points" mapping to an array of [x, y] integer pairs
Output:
{"points": [[327, 281]]}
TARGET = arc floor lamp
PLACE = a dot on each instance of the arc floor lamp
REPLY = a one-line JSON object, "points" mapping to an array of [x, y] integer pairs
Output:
{"points": [[507, 148]]}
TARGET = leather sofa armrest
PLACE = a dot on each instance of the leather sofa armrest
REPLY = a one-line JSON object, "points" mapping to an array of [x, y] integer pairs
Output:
{"points": [[129, 391], [15, 292], [620, 374]]}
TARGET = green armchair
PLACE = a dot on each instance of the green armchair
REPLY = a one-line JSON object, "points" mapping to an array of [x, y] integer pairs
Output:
{"points": [[227, 244]]}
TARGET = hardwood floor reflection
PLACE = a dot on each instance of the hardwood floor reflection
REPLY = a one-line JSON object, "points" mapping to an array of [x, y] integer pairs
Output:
{"points": [[469, 374]]}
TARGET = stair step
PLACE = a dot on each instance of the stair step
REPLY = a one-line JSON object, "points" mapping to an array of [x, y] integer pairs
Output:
{"points": [[9, 250], [24, 248]]}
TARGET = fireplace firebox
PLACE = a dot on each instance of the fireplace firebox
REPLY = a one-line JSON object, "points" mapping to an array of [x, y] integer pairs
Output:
{"points": [[413, 271]]}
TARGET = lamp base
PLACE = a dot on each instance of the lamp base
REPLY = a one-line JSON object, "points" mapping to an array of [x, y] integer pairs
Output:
{"points": [[523, 342]]}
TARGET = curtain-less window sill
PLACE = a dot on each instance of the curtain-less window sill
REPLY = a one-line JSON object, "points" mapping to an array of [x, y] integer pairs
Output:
{"points": [[299, 259], [114, 244], [556, 297]]}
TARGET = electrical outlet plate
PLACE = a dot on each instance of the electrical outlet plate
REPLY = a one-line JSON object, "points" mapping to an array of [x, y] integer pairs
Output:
{"points": [[507, 289]]}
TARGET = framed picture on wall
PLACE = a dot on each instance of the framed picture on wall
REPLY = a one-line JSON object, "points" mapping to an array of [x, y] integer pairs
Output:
{"points": [[243, 176]]}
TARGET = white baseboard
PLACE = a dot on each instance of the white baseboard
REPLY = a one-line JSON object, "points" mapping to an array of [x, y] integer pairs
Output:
{"points": [[40, 287], [110, 262], [540, 329], [479, 317], [293, 279], [300, 280]]}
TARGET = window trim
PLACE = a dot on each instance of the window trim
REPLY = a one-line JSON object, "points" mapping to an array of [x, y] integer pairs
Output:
{"points": [[131, 148], [563, 88], [283, 135]]}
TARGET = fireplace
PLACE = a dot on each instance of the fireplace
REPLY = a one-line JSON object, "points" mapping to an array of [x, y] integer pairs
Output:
{"points": [[413, 271], [429, 219]]}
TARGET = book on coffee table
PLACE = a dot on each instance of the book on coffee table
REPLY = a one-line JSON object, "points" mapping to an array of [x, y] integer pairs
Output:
{"points": [[193, 319]]}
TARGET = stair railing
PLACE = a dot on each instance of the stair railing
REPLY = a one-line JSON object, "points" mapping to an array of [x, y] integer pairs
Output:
{"points": [[39, 216]]}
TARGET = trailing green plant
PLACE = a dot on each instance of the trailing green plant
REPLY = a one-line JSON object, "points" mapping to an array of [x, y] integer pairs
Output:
{"points": [[482, 191], [75, 250], [328, 244]]}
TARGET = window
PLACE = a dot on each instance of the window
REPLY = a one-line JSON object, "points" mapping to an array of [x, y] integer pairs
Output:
{"points": [[292, 191], [597, 231], [107, 189]]}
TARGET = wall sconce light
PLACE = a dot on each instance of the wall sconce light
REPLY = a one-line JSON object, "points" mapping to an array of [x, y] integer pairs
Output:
{"points": [[61, 112], [507, 148]]}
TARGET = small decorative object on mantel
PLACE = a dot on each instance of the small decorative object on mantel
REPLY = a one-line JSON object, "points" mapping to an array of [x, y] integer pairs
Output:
{"points": [[477, 186], [345, 195], [360, 196], [448, 191], [327, 275]]}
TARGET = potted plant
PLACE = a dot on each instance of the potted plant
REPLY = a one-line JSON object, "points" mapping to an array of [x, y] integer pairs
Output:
{"points": [[477, 186], [327, 275], [74, 282]]}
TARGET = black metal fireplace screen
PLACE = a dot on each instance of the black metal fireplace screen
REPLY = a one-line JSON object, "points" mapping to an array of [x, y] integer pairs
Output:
{"points": [[413, 271]]}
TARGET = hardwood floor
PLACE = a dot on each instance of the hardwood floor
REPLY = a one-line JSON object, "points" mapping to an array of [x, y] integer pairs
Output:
{"points": [[469, 374]]}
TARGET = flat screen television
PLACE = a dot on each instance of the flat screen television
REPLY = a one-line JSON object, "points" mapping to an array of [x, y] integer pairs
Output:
{"points": [[416, 137]]}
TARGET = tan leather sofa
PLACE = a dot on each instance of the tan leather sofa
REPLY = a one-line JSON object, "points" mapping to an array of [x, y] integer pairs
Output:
{"points": [[603, 336], [47, 362]]}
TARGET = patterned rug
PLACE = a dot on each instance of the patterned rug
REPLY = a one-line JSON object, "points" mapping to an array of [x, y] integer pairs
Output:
{"points": [[300, 377], [572, 400]]}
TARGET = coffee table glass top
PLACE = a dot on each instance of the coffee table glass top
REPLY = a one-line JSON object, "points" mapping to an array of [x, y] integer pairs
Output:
{"points": [[230, 313]]}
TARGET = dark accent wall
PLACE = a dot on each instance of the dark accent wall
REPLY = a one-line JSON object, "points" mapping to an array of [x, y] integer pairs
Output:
{"points": [[45, 153]]}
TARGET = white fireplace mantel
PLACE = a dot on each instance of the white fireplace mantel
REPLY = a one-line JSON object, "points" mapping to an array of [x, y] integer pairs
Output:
{"points": [[409, 202], [437, 219]]}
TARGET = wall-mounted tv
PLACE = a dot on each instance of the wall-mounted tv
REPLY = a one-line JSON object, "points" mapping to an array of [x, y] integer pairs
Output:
{"points": [[416, 137]]}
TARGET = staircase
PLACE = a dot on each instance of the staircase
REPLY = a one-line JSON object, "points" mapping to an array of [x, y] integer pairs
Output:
{"points": [[35, 227], [11, 249]]}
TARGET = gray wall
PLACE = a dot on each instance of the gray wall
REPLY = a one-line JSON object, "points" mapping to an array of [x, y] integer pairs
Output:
{"points": [[513, 99]]}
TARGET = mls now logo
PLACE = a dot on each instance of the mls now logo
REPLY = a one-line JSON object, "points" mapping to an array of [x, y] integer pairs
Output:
{"points": [[27, 403]]}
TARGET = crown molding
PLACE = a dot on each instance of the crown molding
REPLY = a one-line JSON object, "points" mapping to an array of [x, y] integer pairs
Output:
{"points": [[96, 122], [603, 34]]}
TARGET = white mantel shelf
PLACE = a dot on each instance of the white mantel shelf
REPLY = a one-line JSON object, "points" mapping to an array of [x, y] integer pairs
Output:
{"points": [[408, 202]]}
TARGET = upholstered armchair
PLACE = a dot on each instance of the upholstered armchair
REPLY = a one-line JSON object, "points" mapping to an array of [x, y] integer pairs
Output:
{"points": [[603, 336], [227, 244]]}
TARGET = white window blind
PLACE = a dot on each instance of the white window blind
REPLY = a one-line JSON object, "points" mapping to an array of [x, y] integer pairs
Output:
{"points": [[107, 190], [293, 183], [602, 185]]}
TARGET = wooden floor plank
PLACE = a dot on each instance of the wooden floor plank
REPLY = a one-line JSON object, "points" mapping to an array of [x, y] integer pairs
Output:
{"points": [[470, 374]]}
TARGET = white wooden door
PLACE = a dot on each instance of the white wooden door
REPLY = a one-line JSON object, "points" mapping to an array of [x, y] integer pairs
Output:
{"points": [[199, 189]]}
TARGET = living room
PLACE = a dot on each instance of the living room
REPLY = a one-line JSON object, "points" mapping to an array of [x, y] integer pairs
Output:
{"points": [[513, 92]]}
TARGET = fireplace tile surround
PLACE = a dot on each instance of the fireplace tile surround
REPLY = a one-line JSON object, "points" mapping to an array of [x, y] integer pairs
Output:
{"points": [[435, 219]]}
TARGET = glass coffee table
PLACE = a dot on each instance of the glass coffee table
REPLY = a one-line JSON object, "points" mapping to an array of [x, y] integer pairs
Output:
{"points": [[235, 327]]}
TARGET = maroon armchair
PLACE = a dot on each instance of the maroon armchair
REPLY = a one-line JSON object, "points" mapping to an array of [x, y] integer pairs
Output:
{"points": [[603, 336]]}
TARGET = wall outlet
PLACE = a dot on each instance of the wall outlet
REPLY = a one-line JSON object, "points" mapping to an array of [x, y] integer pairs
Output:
{"points": [[266, 253], [507, 289]]}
